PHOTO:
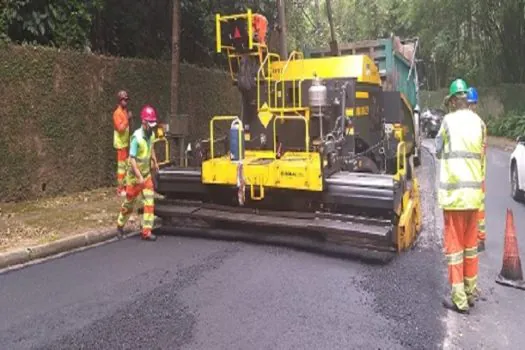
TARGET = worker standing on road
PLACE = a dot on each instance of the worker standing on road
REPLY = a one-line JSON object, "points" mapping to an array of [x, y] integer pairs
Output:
{"points": [[138, 178], [121, 117], [459, 146], [472, 99]]}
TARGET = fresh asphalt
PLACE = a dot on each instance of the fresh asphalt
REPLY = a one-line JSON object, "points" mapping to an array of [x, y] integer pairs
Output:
{"points": [[198, 294]]}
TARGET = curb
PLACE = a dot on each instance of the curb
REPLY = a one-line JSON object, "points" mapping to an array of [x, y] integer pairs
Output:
{"points": [[64, 245]]}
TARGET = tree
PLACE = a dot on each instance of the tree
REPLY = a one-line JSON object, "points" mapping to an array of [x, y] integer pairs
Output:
{"points": [[175, 59]]}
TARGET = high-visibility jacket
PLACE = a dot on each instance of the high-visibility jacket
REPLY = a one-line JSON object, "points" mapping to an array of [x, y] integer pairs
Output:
{"points": [[459, 146], [120, 128], [143, 156]]}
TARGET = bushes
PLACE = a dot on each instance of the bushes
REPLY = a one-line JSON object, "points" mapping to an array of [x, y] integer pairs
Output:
{"points": [[510, 126], [56, 108]]}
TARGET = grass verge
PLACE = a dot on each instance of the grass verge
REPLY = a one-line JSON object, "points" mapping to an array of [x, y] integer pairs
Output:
{"points": [[46, 220]]}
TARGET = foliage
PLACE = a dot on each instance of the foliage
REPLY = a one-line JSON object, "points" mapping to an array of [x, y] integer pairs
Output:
{"points": [[62, 23], [56, 109], [510, 126], [480, 40]]}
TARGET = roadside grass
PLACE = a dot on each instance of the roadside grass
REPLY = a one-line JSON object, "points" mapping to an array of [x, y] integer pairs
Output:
{"points": [[47, 220]]}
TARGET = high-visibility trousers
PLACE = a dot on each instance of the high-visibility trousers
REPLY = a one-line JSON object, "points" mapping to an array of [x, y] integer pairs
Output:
{"points": [[122, 167], [461, 250], [481, 218], [147, 194]]}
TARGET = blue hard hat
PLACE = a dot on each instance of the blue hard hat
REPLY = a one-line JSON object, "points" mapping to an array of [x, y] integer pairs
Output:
{"points": [[472, 95]]}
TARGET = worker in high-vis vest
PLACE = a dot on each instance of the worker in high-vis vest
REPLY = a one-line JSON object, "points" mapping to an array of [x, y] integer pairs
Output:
{"points": [[138, 177], [459, 146], [472, 99], [121, 117]]}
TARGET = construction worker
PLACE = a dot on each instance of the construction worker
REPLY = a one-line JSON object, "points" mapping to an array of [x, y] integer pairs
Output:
{"points": [[472, 99], [121, 117], [138, 178], [459, 146]]}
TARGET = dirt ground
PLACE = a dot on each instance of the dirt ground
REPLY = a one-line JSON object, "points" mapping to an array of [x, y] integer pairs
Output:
{"points": [[502, 142], [35, 222]]}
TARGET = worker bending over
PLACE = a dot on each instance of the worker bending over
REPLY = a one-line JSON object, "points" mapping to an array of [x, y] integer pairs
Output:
{"points": [[459, 146], [472, 99], [121, 118], [138, 178]]}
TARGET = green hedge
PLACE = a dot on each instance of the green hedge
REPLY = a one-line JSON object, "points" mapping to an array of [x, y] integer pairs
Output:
{"points": [[56, 114]]}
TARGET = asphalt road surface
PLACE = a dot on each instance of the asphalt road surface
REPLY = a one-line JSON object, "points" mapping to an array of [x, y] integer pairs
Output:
{"points": [[198, 294]]}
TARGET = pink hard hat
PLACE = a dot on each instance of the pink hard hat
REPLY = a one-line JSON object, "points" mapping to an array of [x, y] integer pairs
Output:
{"points": [[149, 115]]}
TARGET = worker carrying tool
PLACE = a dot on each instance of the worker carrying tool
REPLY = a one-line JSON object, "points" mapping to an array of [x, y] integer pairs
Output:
{"points": [[472, 99], [121, 117], [459, 146], [138, 178]]}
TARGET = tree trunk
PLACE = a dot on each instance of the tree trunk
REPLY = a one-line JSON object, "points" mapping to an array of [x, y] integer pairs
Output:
{"points": [[175, 61], [283, 50]]}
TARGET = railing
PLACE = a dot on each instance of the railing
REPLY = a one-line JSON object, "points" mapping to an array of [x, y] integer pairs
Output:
{"points": [[267, 62], [293, 56]]}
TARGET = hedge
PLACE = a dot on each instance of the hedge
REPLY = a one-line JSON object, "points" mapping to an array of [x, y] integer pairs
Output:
{"points": [[56, 114]]}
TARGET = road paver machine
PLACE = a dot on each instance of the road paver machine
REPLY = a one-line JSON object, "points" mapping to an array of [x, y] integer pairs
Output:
{"points": [[320, 151]]}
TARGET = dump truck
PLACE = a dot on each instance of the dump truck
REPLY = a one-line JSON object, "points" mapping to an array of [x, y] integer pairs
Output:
{"points": [[317, 156]]}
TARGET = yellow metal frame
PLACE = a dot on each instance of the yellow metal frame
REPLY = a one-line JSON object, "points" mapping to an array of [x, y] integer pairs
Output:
{"points": [[219, 19], [410, 220], [212, 138], [161, 137], [224, 19], [266, 62], [401, 159], [293, 57], [359, 67]]}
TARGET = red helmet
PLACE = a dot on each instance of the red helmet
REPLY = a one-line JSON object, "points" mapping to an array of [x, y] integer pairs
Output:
{"points": [[148, 114]]}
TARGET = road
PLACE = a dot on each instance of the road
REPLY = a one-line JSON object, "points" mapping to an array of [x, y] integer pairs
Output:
{"points": [[197, 294]]}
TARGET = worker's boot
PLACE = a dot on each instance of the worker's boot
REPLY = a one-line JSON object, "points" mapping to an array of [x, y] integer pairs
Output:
{"points": [[448, 304], [149, 237], [120, 232], [477, 295], [481, 246], [471, 300]]}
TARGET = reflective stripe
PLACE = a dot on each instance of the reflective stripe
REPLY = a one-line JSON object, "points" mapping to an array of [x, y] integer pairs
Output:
{"points": [[459, 185], [454, 258], [471, 253], [462, 160], [143, 157], [461, 155]]}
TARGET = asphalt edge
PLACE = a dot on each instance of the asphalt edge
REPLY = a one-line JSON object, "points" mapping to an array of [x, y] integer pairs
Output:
{"points": [[22, 256]]}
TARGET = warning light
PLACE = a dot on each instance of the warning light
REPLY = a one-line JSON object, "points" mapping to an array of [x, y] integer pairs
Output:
{"points": [[237, 33]]}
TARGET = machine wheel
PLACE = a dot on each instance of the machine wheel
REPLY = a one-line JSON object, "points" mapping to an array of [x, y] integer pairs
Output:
{"points": [[516, 192]]}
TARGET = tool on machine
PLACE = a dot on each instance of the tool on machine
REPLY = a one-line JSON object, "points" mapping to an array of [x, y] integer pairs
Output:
{"points": [[320, 152]]}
